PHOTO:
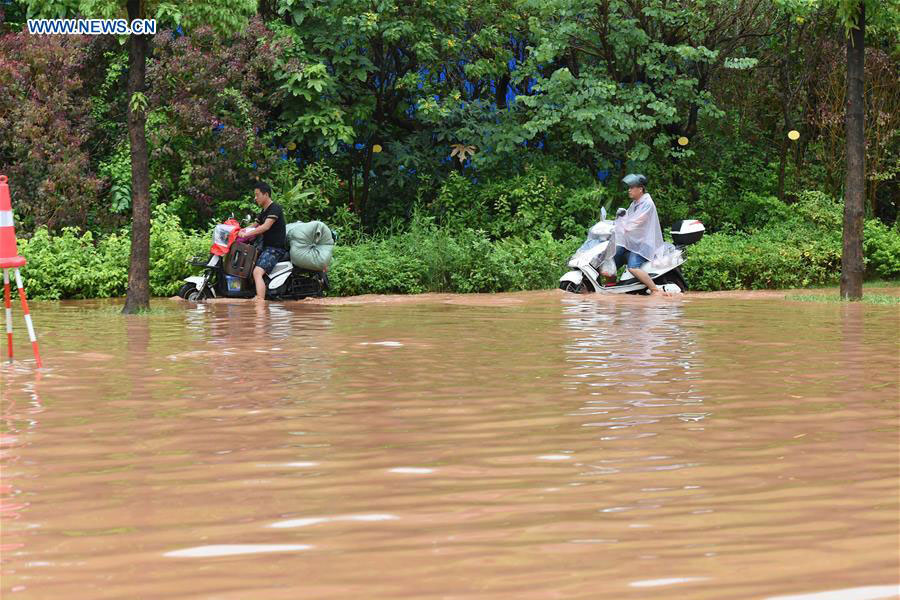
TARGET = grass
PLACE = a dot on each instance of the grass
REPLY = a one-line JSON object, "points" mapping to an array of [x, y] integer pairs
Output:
{"points": [[882, 299], [869, 297], [155, 310], [876, 283], [871, 283]]}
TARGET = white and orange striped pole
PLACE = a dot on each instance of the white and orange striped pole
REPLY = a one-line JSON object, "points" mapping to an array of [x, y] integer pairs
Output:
{"points": [[28, 323], [7, 301], [10, 259]]}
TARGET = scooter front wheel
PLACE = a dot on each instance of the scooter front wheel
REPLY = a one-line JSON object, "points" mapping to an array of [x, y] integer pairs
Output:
{"points": [[193, 294], [186, 289], [574, 288]]}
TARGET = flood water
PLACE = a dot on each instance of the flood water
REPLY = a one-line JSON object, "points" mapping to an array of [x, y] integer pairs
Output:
{"points": [[516, 446]]}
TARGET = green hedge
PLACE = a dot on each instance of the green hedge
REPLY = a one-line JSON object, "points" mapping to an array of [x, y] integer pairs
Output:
{"points": [[762, 261], [428, 259], [73, 264], [882, 249], [800, 248], [796, 253]]}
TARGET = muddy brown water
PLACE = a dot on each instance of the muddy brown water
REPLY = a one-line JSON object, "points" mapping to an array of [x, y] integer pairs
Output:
{"points": [[530, 446]]}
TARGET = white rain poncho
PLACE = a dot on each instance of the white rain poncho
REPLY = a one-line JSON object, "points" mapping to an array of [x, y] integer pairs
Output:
{"points": [[638, 230]]}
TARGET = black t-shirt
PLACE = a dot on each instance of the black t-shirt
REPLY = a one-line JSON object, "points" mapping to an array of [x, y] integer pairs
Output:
{"points": [[275, 237]]}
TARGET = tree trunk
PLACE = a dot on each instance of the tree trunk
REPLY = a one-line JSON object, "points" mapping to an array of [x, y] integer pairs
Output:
{"points": [[782, 164], [852, 265], [138, 295], [786, 98], [364, 201], [502, 88], [350, 179]]}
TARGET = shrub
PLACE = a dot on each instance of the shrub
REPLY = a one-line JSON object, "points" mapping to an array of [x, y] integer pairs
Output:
{"points": [[73, 264], [882, 248], [429, 258], [522, 206], [171, 246], [818, 209], [796, 248], [742, 261], [311, 195], [458, 204]]}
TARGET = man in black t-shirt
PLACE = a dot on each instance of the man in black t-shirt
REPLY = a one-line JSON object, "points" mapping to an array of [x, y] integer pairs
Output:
{"points": [[270, 224]]}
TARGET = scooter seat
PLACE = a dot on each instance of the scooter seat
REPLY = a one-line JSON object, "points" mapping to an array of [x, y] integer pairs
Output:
{"points": [[284, 266]]}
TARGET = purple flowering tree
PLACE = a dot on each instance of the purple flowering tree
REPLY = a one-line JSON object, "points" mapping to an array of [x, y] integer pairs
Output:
{"points": [[210, 95], [226, 16], [46, 119]]}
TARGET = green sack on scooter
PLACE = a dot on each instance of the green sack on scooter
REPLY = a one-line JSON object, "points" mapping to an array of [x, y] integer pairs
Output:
{"points": [[311, 245]]}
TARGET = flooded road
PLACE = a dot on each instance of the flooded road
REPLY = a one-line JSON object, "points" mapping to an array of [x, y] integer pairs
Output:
{"points": [[527, 446]]}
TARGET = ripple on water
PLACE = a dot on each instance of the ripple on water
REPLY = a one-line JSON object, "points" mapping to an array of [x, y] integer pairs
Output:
{"points": [[234, 549], [411, 470], [666, 581], [526, 449], [872, 592], [307, 521]]}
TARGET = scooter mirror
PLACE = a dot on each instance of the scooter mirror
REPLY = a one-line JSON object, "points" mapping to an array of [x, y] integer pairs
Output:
{"points": [[603, 213]]}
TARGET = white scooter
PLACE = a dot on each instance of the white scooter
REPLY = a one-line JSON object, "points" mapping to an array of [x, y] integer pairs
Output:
{"points": [[229, 275], [594, 259]]}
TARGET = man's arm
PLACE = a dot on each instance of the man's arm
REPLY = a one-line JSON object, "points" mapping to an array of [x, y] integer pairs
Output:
{"points": [[635, 221], [261, 229], [270, 220], [639, 217]]}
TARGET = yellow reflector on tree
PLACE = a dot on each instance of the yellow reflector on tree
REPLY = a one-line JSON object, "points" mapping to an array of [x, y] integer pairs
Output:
{"points": [[794, 134], [682, 141], [376, 148]]}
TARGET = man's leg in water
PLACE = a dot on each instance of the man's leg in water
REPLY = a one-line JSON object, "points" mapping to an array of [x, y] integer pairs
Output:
{"points": [[258, 273], [634, 262], [642, 276]]}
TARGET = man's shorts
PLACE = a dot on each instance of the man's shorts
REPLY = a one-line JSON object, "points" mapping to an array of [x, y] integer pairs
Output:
{"points": [[269, 257], [625, 256]]}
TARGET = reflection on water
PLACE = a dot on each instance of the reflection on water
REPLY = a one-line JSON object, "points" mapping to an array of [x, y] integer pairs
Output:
{"points": [[512, 446], [627, 345], [20, 417], [630, 358]]}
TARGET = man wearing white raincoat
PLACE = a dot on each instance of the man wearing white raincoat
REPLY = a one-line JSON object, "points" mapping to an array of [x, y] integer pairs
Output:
{"points": [[638, 234]]}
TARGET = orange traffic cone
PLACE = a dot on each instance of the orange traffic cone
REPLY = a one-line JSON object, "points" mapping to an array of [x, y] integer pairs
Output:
{"points": [[10, 259], [9, 252]]}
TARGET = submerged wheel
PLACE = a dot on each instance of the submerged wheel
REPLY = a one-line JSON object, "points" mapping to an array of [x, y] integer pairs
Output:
{"points": [[675, 277], [302, 284], [183, 292], [194, 295], [574, 288]]}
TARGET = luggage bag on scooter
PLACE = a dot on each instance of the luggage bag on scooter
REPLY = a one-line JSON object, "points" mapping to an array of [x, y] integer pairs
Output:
{"points": [[240, 260]]}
